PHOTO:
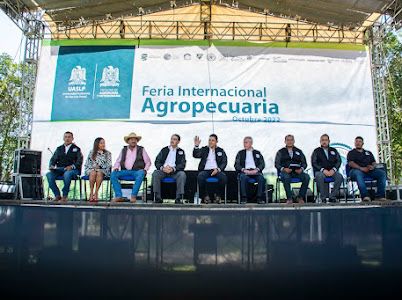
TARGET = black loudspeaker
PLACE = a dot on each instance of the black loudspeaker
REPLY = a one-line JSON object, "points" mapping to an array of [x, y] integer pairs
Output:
{"points": [[30, 187], [27, 161]]}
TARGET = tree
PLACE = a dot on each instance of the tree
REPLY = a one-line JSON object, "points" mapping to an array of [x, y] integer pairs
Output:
{"points": [[393, 52], [10, 87]]}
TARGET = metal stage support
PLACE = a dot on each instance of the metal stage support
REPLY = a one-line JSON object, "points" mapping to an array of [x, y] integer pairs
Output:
{"points": [[380, 73], [31, 24]]}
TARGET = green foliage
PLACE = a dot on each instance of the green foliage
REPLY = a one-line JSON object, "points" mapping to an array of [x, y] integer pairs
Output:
{"points": [[393, 51], [10, 87]]}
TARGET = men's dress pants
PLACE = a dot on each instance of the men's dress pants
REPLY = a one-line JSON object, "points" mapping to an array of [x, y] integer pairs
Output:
{"points": [[287, 179], [67, 177], [244, 183], [138, 176], [179, 176], [204, 187], [323, 188]]}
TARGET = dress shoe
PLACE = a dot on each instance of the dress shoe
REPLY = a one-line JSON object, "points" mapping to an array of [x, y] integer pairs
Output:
{"points": [[243, 200], [206, 200], [57, 199], [218, 199], [178, 201], [158, 200], [366, 199], [260, 201], [118, 199]]}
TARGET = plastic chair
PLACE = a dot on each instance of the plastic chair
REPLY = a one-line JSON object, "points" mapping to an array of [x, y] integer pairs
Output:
{"points": [[326, 180], [85, 178], [132, 179], [279, 180], [250, 181], [168, 180], [75, 179], [212, 180]]}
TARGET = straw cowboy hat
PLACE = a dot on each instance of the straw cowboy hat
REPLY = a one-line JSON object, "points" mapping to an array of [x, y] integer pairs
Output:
{"points": [[132, 135]]}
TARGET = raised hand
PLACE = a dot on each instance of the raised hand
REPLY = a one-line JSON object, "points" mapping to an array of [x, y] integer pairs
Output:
{"points": [[197, 140]]}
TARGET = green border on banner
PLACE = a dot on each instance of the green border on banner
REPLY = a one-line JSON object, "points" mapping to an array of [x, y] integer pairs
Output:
{"points": [[156, 42]]}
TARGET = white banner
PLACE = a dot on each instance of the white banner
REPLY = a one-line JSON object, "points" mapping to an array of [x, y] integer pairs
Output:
{"points": [[231, 91]]}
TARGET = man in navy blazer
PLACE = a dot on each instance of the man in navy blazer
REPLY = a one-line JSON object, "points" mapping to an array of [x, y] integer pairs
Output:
{"points": [[66, 161], [326, 162], [213, 163], [171, 162], [249, 164]]}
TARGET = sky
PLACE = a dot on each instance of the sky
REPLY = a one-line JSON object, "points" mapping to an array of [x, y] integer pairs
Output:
{"points": [[10, 37]]}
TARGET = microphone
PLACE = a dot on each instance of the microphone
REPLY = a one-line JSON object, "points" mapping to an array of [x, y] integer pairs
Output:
{"points": [[48, 149]]}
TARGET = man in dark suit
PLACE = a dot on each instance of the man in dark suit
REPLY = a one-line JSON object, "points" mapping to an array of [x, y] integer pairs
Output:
{"points": [[213, 163], [326, 162], [250, 163], [66, 161], [291, 163], [171, 162]]}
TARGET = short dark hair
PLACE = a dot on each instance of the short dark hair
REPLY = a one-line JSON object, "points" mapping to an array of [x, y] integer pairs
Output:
{"points": [[325, 135], [69, 132], [214, 135], [176, 135], [359, 138], [289, 135]]}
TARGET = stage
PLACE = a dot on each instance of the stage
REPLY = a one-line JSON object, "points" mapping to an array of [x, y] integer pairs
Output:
{"points": [[233, 250]]}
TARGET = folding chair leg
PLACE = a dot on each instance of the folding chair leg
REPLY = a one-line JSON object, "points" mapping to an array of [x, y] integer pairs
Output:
{"points": [[238, 190], [225, 192]]}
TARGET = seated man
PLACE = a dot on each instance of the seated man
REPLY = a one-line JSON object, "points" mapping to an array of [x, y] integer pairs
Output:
{"points": [[170, 161], [213, 163], [326, 162], [362, 163], [132, 161], [66, 161], [250, 163], [291, 162]]}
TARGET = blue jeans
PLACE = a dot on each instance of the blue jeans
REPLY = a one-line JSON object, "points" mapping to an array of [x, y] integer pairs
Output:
{"points": [[377, 174], [244, 183], [138, 176], [67, 177], [287, 178]]}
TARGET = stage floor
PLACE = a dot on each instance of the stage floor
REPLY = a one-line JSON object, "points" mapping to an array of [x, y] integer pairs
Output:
{"points": [[168, 251], [170, 205]]}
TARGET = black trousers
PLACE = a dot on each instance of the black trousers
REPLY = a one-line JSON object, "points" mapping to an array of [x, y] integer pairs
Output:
{"points": [[205, 187]]}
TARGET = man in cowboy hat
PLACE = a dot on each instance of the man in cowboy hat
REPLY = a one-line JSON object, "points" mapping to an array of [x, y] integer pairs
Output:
{"points": [[132, 161]]}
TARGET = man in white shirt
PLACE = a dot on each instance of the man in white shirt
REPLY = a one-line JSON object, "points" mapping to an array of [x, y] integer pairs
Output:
{"points": [[170, 161], [213, 163], [250, 163]]}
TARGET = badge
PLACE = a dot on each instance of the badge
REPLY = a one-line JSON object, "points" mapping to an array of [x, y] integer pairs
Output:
{"points": [[297, 153], [367, 153], [333, 152], [257, 155], [181, 152], [75, 149], [219, 153]]}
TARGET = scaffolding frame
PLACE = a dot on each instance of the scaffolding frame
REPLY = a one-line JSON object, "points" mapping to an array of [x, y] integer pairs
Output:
{"points": [[380, 73], [35, 29]]}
